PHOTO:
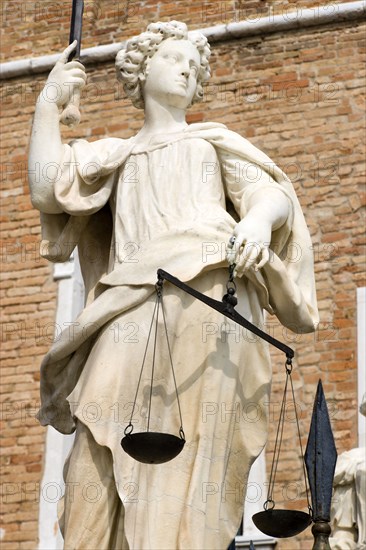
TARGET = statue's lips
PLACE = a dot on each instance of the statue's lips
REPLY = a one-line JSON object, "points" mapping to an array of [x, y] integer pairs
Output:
{"points": [[183, 82]]}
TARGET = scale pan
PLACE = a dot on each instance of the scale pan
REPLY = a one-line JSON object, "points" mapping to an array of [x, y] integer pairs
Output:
{"points": [[281, 523], [152, 447]]}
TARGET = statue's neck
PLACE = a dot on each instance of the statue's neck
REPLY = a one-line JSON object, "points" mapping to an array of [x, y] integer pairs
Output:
{"points": [[161, 119]]}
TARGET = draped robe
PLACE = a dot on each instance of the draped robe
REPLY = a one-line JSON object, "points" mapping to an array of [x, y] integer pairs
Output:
{"points": [[132, 208]]}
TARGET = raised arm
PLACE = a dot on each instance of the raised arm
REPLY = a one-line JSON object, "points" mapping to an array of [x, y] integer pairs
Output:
{"points": [[45, 150]]}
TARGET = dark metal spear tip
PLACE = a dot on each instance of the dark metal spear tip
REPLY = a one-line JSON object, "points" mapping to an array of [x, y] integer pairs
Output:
{"points": [[251, 545], [320, 458]]}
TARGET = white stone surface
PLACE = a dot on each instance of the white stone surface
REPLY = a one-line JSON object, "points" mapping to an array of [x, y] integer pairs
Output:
{"points": [[70, 301], [349, 500], [361, 364]]}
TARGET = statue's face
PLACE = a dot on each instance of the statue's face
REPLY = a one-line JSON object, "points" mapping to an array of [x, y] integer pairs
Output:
{"points": [[172, 73]]}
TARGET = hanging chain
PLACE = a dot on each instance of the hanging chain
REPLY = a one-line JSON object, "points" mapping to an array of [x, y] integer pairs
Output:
{"points": [[277, 449], [231, 286], [181, 431], [129, 428], [301, 451], [278, 442], [159, 301]]}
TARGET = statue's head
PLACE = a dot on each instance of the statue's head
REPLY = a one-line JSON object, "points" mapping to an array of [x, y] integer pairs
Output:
{"points": [[133, 63]]}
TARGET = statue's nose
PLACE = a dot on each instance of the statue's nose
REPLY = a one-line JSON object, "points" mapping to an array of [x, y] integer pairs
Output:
{"points": [[185, 69]]}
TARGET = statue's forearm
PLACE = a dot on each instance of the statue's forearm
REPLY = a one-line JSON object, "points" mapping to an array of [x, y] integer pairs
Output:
{"points": [[45, 154], [270, 205]]}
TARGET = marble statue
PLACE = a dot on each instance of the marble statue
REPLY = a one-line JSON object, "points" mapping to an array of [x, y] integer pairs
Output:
{"points": [[170, 197], [349, 499]]}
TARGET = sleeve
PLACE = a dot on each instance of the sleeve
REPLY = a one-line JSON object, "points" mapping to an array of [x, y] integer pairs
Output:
{"points": [[88, 173], [87, 177], [243, 179], [286, 284]]}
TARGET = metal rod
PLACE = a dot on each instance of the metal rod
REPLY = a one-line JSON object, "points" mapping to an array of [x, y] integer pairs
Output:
{"points": [[228, 310], [76, 27]]}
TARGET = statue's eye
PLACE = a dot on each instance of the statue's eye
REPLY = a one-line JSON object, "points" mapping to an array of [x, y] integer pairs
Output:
{"points": [[171, 57]]}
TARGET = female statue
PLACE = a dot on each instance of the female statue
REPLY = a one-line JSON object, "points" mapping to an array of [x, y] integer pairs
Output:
{"points": [[160, 199]]}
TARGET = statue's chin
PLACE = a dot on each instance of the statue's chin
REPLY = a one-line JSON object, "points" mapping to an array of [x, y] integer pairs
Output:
{"points": [[178, 100]]}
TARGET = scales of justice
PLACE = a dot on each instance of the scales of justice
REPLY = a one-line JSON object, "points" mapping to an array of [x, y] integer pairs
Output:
{"points": [[78, 202], [156, 447]]}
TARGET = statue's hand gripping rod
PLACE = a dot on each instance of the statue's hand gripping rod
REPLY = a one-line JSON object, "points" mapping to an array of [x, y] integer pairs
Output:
{"points": [[70, 116]]}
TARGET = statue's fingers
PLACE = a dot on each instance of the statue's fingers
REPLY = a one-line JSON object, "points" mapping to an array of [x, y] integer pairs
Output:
{"points": [[75, 65], [237, 273], [264, 260], [230, 255], [241, 263], [239, 240], [67, 51], [249, 255], [77, 73], [79, 82]]}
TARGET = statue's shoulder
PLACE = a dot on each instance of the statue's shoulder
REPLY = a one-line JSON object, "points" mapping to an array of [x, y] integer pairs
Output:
{"points": [[224, 140], [106, 150], [102, 141], [110, 143], [206, 126], [231, 145], [214, 130]]}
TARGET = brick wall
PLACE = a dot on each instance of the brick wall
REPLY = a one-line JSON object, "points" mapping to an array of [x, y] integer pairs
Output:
{"points": [[28, 296], [35, 27], [298, 97]]}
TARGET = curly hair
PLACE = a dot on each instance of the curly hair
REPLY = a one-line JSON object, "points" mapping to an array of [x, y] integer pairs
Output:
{"points": [[133, 61]]}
